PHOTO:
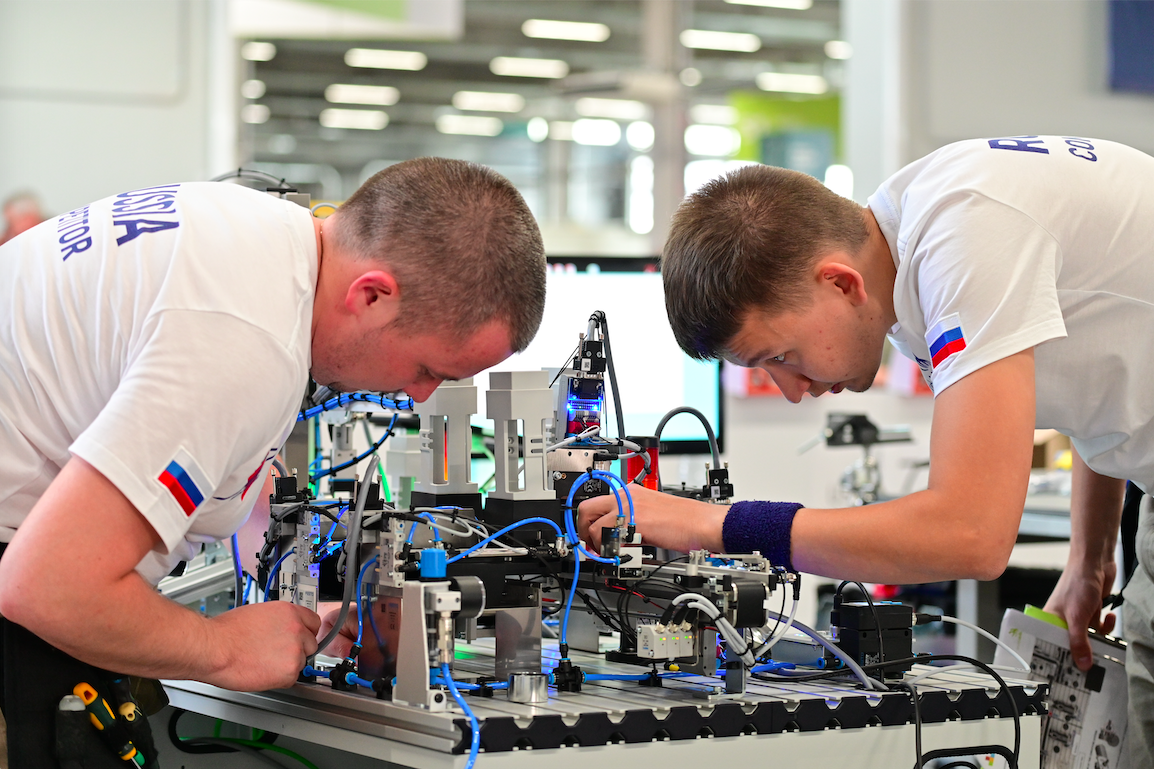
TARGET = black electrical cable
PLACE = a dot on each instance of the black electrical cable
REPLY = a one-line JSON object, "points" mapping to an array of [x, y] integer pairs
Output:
{"points": [[917, 721], [612, 373], [959, 765], [873, 610], [190, 745], [714, 452], [371, 450]]}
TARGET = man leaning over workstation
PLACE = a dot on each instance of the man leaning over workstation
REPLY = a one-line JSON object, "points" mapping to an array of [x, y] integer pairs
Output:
{"points": [[155, 350], [1019, 274]]}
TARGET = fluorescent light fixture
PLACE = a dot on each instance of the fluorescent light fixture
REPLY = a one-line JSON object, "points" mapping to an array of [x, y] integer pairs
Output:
{"points": [[561, 130], [699, 172], [375, 58], [690, 76], [252, 89], [639, 201], [470, 125], [619, 109], [708, 39], [488, 101], [512, 66], [640, 135], [364, 119], [793, 5], [788, 82], [712, 140], [596, 132], [838, 49], [254, 113], [714, 114], [537, 129], [254, 51], [583, 31], [839, 178], [345, 93]]}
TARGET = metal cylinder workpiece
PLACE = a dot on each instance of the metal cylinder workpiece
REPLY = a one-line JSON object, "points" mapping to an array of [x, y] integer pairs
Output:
{"points": [[528, 688]]}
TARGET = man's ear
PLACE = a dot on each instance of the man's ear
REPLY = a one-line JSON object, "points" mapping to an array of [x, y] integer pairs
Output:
{"points": [[838, 275], [374, 296]]}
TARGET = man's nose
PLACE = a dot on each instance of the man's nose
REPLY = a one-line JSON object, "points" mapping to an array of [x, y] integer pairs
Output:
{"points": [[421, 391], [792, 385]]}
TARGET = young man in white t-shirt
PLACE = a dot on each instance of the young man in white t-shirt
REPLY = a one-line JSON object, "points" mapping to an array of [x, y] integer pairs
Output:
{"points": [[155, 352], [1018, 273]]}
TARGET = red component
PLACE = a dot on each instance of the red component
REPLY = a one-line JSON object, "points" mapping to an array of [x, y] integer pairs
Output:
{"points": [[635, 465]]}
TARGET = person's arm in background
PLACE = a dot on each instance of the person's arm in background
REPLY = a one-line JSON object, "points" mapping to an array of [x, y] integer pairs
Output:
{"points": [[963, 526], [69, 576], [1095, 515]]}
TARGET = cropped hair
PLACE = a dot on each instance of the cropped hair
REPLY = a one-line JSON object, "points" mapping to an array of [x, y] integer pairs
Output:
{"points": [[460, 241], [746, 241]]}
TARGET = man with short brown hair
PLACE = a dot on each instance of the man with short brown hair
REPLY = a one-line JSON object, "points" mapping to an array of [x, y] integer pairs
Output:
{"points": [[1015, 271], [156, 348]]}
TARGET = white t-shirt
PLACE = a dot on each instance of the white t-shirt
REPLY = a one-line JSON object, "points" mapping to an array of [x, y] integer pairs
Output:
{"points": [[163, 336], [1044, 242]]}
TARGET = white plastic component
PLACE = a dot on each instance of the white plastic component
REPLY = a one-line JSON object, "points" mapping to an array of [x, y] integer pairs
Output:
{"points": [[520, 396], [446, 439], [653, 642]]}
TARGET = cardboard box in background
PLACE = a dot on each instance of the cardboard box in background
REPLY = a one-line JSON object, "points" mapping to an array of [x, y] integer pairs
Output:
{"points": [[1086, 728], [1048, 445]]}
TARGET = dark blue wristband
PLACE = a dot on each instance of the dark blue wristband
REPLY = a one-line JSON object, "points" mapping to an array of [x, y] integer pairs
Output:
{"points": [[761, 526]]}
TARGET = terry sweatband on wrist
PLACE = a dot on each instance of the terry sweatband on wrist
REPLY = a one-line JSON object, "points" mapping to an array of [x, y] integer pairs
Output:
{"points": [[761, 526]]}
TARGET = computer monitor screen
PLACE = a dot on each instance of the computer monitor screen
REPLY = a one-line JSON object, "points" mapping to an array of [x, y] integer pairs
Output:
{"points": [[653, 374]]}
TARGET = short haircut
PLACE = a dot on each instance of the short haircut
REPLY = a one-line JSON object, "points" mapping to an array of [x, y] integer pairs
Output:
{"points": [[458, 238], [746, 241]]}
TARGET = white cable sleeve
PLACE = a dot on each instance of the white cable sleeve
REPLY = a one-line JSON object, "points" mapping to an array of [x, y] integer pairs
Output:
{"points": [[1025, 665]]}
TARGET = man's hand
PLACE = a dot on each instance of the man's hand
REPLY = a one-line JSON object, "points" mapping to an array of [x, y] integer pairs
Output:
{"points": [[1095, 514], [1077, 598], [663, 520], [267, 645], [99, 610], [343, 642]]}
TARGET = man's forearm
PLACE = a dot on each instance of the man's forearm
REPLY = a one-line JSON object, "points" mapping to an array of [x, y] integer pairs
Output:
{"points": [[921, 537], [1095, 514]]}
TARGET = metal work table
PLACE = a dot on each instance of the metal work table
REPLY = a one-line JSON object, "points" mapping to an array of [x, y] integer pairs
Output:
{"points": [[799, 724]]}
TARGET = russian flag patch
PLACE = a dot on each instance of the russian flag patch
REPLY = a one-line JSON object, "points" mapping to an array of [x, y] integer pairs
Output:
{"points": [[946, 338], [185, 481]]}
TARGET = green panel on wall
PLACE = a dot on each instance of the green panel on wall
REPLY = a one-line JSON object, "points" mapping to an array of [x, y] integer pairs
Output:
{"points": [[394, 10], [762, 115]]}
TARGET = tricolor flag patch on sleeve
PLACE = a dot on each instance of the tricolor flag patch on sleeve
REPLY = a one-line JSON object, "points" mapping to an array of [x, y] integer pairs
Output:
{"points": [[185, 481], [946, 338]]}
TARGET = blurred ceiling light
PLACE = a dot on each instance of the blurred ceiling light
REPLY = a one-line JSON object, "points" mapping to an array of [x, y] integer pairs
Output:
{"points": [[714, 114], [345, 93], [470, 125], [640, 135], [620, 109], [537, 129], [839, 178], [561, 130], [255, 113], [720, 41], [511, 66], [488, 101], [254, 51], [714, 140], [597, 133], [788, 82], [252, 89], [375, 58], [364, 119], [586, 32], [690, 76], [838, 49], [793, 5]]}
